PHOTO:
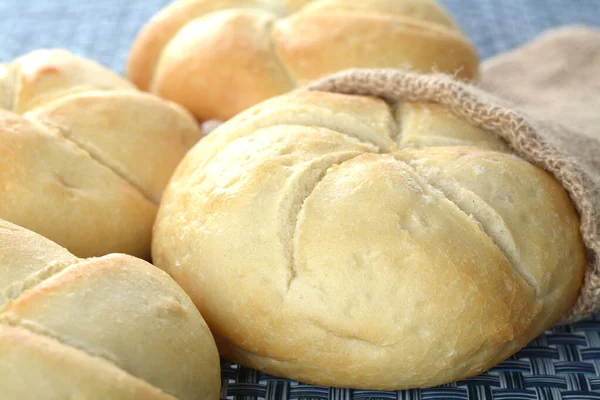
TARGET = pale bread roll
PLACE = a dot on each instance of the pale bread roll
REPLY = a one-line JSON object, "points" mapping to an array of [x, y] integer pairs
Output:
{"points": [[84, 156], [219, 57], [338, 241], [112, 327], [42, 76]]}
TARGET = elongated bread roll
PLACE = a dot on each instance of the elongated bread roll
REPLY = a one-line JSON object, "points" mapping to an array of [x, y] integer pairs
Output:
{"points": [[219, 57], [339, 241], [84, 156], [113, 327]]}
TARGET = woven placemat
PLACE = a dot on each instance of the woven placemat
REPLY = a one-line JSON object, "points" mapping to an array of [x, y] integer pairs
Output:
{"points": [[562, 364]]}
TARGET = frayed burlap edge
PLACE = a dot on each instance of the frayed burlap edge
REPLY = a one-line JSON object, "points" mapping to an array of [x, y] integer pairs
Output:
{"points": [[530, 139]]}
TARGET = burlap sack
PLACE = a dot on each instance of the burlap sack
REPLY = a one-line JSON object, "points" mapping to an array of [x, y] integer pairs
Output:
{"points": [[546, 107]]}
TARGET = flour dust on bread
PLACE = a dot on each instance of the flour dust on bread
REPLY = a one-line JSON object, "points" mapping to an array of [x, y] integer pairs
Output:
{"points": [[341, 241], [85, 156], [113, 327], [219, 57]]}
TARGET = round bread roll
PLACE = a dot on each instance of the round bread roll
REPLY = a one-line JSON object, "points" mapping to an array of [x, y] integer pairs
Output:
{"points": [[219, 57], [113, 327], [84, 157], [331, 239]]}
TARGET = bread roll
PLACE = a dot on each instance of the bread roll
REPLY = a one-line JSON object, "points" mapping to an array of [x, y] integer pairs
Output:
{"points": [[219, 57], [84, 157], [113, 327], [333, 240]]}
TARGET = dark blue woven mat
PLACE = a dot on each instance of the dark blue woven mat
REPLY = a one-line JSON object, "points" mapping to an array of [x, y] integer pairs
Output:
{"points": [[562, 364]]}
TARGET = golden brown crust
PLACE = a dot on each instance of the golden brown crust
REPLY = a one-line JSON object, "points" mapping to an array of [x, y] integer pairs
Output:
{"points": [[61, 192], [45, 75], [522, 208], [430, 125], [151, 306], [143, 145], [424, 10], [86, 162], [369, 41], [116, 315], [239, 42], [318, 254], [214, 59], [34, 366], [24, 253], [154, 37]]}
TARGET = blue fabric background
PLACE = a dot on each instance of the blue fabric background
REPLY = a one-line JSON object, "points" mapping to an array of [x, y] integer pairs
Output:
{"points": [[104, 29]]}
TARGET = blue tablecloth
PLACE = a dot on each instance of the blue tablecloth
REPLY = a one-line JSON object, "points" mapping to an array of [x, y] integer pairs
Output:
{"points": [[562, 364], [104, 29]]}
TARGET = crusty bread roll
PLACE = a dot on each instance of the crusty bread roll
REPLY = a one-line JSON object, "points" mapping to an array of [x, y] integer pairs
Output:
{"points": [[113, 327], [331, 239], [219, 57], [84, 156]]}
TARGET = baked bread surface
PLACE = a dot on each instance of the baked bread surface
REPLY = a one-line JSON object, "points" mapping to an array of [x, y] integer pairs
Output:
{"points": [[339, 241], [113, 327], [219, 57], [84, 155]]}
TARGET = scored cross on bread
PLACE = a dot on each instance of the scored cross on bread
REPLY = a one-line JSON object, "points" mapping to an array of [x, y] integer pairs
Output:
{"points": [[343, 241], [113, 327], [219, 57], [84, 155]]}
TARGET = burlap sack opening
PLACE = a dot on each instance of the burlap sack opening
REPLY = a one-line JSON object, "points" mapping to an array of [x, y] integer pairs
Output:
{"points": [[569, 156]]}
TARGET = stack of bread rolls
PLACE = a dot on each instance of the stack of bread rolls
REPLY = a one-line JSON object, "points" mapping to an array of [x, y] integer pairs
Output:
{"points": [[334, 239], [84, 156], [219, 57]]}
